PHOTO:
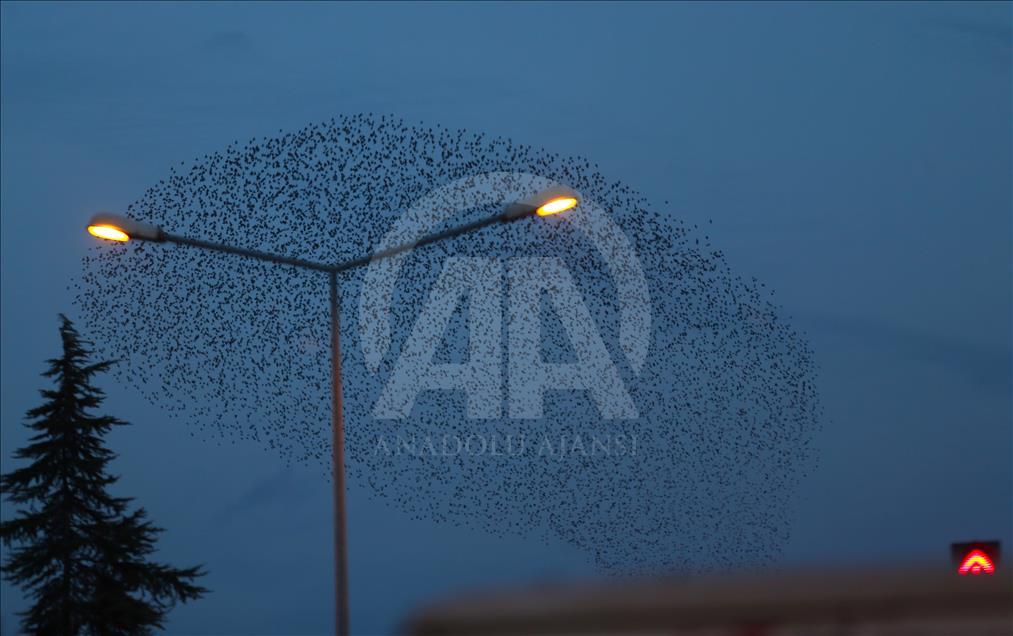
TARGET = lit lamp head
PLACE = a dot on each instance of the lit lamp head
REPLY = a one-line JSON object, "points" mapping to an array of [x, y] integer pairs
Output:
{"points": [[550, 201], [114, 227]]}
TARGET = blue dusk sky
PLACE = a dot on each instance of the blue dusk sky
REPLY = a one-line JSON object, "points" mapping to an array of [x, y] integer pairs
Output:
{"points": [[856, 157]]}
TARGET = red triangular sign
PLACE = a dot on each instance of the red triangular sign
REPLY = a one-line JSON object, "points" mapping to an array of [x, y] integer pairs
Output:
{"points": [[976, 562]]}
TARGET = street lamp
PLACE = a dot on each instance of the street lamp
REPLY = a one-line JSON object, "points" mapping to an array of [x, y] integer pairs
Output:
{"points": [[114, 227], [118, 228]]}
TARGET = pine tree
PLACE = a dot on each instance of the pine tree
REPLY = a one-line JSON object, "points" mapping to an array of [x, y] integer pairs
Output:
{"points": [[77, 550]]}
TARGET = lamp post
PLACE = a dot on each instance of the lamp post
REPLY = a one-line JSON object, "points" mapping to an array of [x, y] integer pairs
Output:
{"points": [[119, 228]]}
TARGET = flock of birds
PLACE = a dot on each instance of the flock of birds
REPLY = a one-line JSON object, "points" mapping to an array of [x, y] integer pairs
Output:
{"points": [[238, 349]]}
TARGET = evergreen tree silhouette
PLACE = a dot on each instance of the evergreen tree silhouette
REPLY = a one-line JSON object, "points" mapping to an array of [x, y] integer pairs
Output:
{"points": [[75, 549]]}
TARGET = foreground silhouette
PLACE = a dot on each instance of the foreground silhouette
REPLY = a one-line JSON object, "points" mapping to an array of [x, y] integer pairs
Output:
{"points": [[78, 552]]}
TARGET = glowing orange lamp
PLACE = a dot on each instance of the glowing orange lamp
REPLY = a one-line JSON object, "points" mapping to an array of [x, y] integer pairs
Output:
{"points": [[557, 205], [109, 232], [547, 202], [114, 227]]}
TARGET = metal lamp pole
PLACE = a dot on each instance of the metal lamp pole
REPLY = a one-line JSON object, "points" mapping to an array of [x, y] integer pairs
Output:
{"points": [[119, 228]]}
